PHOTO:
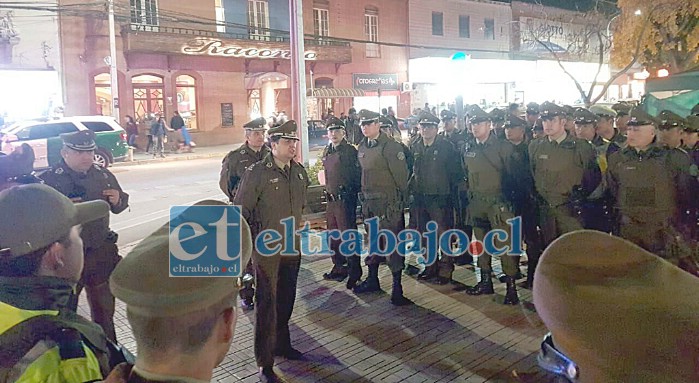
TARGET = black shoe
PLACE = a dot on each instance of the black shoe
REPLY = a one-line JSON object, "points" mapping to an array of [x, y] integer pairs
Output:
{"points": [[511, 297], [441, 281], [411, 270], [290, 354], [352, 283], [484, 287], [425, 276], [247, 304], [267, 375], [339, 277], [401, 301], [368, 286], [463, 260]]}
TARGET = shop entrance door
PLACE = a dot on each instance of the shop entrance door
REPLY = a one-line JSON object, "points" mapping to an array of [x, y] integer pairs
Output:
{"points": [[147, 97]]}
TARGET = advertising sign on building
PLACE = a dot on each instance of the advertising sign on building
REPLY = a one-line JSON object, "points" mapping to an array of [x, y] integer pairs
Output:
{"points": [[373, 82], [551, 35]]}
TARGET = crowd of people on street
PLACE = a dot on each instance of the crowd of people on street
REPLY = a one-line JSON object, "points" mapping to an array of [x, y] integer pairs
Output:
{"points": [[159, 133], [616, 170]]}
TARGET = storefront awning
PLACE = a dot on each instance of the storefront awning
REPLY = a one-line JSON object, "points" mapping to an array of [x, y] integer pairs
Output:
{"points": [[335, 92]]}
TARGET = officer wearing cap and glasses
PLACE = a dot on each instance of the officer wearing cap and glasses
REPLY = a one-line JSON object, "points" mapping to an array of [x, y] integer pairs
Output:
{"points": [[522, 194], [384, 193], [273, 190], [651, 187], [622, 116], [565, 172], [41, 260], [232, 170], [433, 183], [670, 126], [607, 134], [342, 183], [183, 327], [489, 166], [78, 178], [17, 168]]}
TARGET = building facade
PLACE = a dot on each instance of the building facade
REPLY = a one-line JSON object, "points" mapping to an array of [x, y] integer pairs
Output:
{"points": [[220, 63]]}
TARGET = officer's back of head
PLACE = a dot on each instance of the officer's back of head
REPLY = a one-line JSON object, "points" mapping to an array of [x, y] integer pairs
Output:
{"points": [[177, 322], [40, 232], [17, 167]]}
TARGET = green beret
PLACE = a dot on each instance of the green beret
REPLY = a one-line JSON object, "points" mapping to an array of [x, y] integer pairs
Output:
{"points": [[621, 109], [477, 115], [514, 122], [669, 120], [427, 118], [584, 116], [603, 111], [285, 130], [81, 141], [258, 124], [639, 117], [549, 109], [620, 312], [334, 123], [35, 216], [142, 279], [692, 124], [20, 162], [367, 116]]}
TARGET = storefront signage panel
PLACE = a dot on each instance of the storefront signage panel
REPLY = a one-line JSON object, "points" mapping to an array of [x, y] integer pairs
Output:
{"points": [[212, 47], [371, 81]]}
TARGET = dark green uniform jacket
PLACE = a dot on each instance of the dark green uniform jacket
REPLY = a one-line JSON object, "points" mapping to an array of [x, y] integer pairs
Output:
{"points": [[384, 169], [437, 169], [234, 165]]}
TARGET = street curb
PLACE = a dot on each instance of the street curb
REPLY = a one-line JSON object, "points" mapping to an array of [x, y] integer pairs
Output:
{"points": [[169, 159]]}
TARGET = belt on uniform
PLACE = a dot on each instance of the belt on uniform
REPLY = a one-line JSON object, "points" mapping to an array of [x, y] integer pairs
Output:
{"points": [[336, 197]]}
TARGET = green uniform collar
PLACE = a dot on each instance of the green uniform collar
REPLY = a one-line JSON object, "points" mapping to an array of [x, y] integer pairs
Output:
{"points": [[36, 293]]}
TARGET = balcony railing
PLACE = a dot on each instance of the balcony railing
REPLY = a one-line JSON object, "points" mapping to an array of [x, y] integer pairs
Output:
{"points": [[315, 41]]}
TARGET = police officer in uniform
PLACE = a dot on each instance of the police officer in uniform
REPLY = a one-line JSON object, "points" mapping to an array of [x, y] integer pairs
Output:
{"points": [[489, 163], [622, 116], [670, 126], [533, 113], [183, 327], [78, 178], [565, 172], [595, 211], [272, 190], [570, 120], [651, 186], [522, 194], [384, 192], [342, 183], [42, 339], [17, 168], [232, 170], [459, 138], [497, 116], [608, 136], [433, 184]]}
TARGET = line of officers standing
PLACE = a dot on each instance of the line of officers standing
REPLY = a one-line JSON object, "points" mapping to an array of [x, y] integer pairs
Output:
{"points": [[556, 175]]}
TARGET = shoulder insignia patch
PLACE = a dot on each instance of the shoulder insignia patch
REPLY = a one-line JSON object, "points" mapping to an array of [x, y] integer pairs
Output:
{"points": [[694, 170], [401, 156], [301, 176]]}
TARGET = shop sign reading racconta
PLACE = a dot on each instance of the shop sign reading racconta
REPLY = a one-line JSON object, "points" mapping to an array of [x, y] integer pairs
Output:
{"points": [[213, 47]]}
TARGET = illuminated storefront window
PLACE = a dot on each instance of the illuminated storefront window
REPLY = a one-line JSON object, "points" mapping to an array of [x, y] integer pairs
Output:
{"points": [[103, 94], [187, 100], [147, 96]]}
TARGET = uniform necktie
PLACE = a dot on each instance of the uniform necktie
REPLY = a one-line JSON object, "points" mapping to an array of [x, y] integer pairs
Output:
{"points": [[287, 170], [372, 143]]}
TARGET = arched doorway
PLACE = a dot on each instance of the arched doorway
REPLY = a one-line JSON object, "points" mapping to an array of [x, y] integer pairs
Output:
{"points": [[147, 96], [187, 100]]}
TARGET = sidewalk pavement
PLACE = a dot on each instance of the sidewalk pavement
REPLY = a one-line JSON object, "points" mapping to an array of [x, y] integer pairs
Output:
{"points": [[217, 151], [447, 336]]}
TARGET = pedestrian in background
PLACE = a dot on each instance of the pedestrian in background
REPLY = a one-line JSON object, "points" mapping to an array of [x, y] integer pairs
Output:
{"points": [[177, 124], [158, 130]]}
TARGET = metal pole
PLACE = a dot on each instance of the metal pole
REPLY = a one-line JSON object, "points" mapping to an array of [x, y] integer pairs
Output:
{"points": [[298, 75], [113, 62]]}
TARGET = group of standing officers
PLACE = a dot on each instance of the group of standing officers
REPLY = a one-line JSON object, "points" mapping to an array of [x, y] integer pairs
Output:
{"points": [[617, 170]]}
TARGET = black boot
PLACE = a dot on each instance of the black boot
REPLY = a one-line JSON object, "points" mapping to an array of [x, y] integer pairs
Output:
{"points": [[371, 283], [397, 297], [511, 297], [484, 287], [247, 292]]}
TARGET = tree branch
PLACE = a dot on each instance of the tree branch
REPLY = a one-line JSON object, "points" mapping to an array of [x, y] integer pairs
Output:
{"points": [[560, 64], [599, 66]]}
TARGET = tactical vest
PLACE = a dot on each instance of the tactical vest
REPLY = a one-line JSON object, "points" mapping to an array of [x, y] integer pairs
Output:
{"points": [[484, 167], [558, 169], [56, 358], [431, 170], [338, 170], [646, 188], [376, 174]]}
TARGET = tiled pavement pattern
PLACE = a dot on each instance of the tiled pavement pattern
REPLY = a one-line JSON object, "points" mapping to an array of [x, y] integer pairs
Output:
{"points": [[447, 336]]}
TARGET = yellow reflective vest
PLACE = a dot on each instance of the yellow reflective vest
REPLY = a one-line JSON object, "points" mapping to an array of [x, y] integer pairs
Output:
{"points": [[49, 360]]}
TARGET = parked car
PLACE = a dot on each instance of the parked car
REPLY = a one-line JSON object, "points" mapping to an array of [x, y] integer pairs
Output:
{"points": [[43, 137]]}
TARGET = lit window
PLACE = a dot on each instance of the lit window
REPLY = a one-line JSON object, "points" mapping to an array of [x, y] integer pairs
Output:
{"points": [[103, 94], [220, 17], [147, 96], [371, 31], [187, 100]]}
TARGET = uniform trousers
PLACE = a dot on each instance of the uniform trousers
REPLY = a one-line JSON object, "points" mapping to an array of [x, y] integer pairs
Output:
{"points": [[390, 215], [485, 214], [438, 209], [276, 280], [342, 215], [556, 221]]}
